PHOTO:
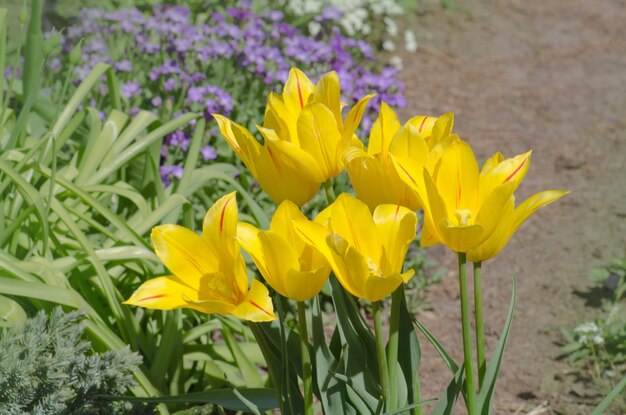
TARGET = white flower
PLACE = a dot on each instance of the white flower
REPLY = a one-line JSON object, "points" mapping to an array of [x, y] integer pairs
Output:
{"points": [[410, 43], [396, 61], [392, 27], [314, 28], [389, 46]]}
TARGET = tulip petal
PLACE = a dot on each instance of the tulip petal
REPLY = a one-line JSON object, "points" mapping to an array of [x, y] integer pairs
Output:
{"points": [[435, 209], [352, 220], [396, 226], [383, 130], [441, 129], [257, 306], [512, 170], [280, 119], [297, 91], [282, 224], [162, 293], [304, 285], [460, 238], [319, 136], [377, 288], [408, 144], [530, 205], [185, 253], [248, 238], [280, 258], [490, 214], [288, 156], [353, 119], [457, 178], [241, 141], [370, 178], [423, 124], [327, 92]]}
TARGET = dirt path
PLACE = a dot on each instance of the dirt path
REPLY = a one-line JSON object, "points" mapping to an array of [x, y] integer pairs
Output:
{"points": [[548, 76]]}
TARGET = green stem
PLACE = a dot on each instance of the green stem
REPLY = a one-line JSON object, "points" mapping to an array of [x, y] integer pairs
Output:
{"points": [[467, 339], [480, 330], [392, 348], [306, 359], [328, 189], [380, 351], [417, 394]]}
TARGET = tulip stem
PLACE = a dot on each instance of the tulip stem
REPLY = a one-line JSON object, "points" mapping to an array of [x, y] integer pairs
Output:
{"points": [[383, 371], [328, 189], [306, 359], [480, 329], [467, 337]]}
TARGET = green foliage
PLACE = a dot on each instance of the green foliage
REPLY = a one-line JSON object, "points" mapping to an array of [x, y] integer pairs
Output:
{"points": [[598, 347], [47, 369]]}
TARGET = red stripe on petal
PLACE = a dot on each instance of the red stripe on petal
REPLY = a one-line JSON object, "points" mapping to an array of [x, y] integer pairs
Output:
{"points": [[223, 213], [261, 308], [422, 124], [299, 90], [358, 108], [407, 174], [515, 171], [154, 297]]}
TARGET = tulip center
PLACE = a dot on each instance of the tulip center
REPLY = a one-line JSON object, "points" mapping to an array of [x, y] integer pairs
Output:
{"points": [[463, 216], [373, 268]]}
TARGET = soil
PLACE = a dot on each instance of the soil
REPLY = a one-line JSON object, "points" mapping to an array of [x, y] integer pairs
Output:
{"points": [[548, 76]]}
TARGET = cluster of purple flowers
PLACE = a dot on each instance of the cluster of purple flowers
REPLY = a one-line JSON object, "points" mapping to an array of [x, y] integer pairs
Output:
{"points": [[174, 60]]}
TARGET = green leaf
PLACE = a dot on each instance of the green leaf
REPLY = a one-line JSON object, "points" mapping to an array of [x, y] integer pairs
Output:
{"points": [[10, 312], [248, 370], [606, 402], [264, 399], [409, 352], [446, 401], [358, 361], [332, 393], [493, 368], [409, 407], [438, 347]]}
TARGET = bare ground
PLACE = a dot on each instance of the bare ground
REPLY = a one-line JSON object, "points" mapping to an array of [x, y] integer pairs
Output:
{"points": [[548, 76]]}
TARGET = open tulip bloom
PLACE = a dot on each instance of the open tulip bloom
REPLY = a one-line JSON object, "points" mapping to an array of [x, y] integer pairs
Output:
{"points": [[209, 272], [376, 173], [365, 251], [304, 137], [289, 263]]}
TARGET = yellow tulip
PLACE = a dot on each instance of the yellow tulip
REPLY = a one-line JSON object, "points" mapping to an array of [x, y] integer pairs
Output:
{"points": [[464, 209], [498, 170], [308, 127], [304, 137], [209, 273], [376, 174], [365, 251], [289, 264], [280, 180]]}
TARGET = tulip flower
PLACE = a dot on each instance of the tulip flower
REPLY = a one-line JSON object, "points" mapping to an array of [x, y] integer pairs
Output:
{"points": [[304, 137], [280, 180], [376, 174], [209, 273], [498, 170], [460, 210], [289, 264], [365, 251]]}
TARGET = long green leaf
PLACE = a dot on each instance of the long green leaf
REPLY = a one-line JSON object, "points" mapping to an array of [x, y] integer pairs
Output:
{"points": [[31, 194], [493, 368], [41, 291], [608, 400], [263, 398], [446, 401]]}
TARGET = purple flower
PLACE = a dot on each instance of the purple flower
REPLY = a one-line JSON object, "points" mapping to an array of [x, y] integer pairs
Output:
{"points": [[157, 102], [131, 90], [169, 172], [208, 153]]}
